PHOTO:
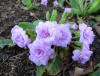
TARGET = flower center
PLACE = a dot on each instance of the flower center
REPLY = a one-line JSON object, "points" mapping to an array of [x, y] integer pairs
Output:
{"points": [[45, 34], [39, 52]]}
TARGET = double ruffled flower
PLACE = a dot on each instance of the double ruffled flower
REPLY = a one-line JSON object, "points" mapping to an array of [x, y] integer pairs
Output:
{"points": [[86, 34], [19, 37], [40, 52], [82, 56]]}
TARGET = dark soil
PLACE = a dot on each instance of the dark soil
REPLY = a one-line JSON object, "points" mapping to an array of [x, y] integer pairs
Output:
{"points": [[13, 60]]}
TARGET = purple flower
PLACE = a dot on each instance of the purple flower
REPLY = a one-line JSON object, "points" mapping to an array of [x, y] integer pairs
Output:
{"points": [[55, 3], [47, 31], [75, 27], [67, 10], [19, 36], [40, 52], [82, 56], [86, 34], [44, 2], [64, 37]]}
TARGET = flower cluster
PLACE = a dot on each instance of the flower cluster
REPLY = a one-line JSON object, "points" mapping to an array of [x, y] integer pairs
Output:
{"points": [[86, 37], [48, 34]]}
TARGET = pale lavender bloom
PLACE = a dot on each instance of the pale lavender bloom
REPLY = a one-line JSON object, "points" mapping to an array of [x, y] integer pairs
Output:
{"points": [[86, 34], [44, 2], [82, 56], [55, 3], [47, 31], [40, 52], [19, 36], [65, 37], [67, 10], [75, 27]]}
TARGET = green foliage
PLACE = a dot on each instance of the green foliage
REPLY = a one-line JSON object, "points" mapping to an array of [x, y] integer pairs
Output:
{"points": [[27, 25], [54, 66], [30, 29], [71, 24], [94, 6], [77, 43], [28, 3], [35, 23], [96, 73], [6, 42], [54, 15], [40, 70], [64, 15], [77, 33], [77, 6], [60, 3], [47, 15]]}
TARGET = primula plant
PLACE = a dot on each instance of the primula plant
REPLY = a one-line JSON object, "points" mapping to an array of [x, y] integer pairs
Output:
{"points": [[49, 40]]}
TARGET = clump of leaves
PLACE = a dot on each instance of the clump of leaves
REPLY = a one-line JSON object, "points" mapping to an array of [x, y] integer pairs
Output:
{"points": [[82, 7], [30, 4]]}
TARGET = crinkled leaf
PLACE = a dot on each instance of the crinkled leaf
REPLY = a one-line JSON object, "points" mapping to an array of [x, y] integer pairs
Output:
{"points": [[54, 66], [6, 42], [54, 15], [40, 70]]}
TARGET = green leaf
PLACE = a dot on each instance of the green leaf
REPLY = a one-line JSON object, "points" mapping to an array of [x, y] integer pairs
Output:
{"points": [[64, 15], [78, 48], [47, 15], [97, 73], [28, 3], [94, 6], [54, 66], [77, 43], [60, 3], [76, 11], [29, 28], [77, 5], [54, 15], [35, 23], [77, 33], [27, 25], [6, 42], [40, 70]]}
